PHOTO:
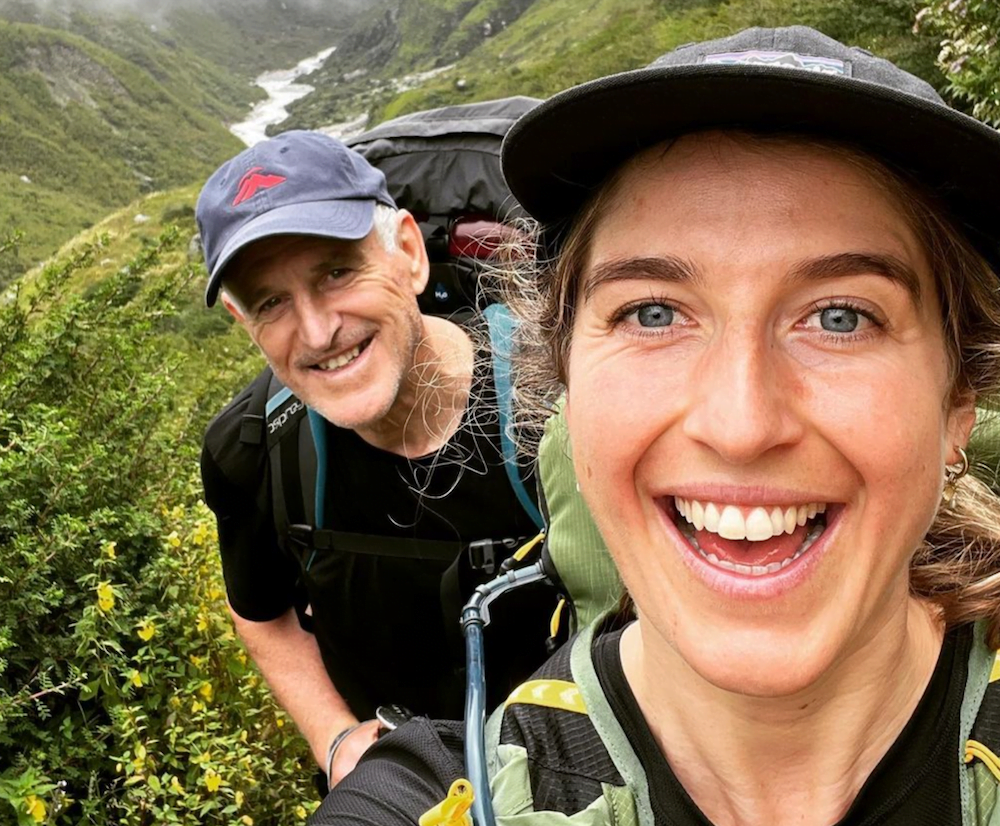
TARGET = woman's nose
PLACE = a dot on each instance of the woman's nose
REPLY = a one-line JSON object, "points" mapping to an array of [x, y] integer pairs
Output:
{"points": [[743, 403]]}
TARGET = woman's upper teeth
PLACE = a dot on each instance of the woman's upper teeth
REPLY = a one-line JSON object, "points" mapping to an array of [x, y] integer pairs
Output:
{"points": [[341, 360], [755, 524]]}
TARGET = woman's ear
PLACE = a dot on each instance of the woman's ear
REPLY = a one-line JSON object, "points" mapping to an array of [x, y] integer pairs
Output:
{"points": [[411, 244], [961, 420]]}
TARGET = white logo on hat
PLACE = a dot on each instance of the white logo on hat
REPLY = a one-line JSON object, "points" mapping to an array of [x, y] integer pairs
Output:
{"points": [[784, 60]]}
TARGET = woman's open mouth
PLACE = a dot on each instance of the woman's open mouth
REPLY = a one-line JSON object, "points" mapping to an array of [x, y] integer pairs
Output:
{"points": [[750, 541]]}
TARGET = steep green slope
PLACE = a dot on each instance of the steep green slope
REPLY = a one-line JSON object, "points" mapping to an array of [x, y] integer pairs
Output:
{"points": [[101, 107], [540, 47], [83, 130]]}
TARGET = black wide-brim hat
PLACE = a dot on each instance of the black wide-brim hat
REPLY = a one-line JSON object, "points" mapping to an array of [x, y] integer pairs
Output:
{"points": [[785, 80]]}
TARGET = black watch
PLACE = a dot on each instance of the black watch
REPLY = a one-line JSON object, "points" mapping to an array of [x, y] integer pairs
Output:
{"points": [[392, 716]]}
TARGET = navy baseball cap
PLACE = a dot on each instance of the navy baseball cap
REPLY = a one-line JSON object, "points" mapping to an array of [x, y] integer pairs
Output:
{"points": [[791, 79], [297, 183]]}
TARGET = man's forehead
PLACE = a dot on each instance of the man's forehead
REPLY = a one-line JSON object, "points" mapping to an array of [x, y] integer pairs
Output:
{"points": [[267, 254]]}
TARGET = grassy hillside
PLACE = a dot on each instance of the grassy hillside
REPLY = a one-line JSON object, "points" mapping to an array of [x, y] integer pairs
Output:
{"points": [[537, 48], [100, 108]]}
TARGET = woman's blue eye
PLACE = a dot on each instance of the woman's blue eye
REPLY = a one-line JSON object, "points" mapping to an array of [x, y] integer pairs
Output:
{"points": [[655, 315], [839, 319]]}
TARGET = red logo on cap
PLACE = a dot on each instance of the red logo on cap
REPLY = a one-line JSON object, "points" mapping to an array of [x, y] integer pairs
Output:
{"points": [[253, 182]]}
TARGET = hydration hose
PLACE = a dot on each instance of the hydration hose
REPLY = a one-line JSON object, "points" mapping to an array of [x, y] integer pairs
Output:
{"points": [[475, 617]]}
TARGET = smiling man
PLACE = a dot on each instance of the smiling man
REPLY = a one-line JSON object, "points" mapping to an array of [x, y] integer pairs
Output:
{"points": [[311, 256]]}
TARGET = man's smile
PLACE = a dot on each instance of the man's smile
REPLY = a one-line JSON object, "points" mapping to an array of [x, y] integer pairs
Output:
{"points": [[342, 359]]}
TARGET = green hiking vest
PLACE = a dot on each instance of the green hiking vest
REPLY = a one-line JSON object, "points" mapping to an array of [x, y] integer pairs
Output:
{"points": [[558, 730]]}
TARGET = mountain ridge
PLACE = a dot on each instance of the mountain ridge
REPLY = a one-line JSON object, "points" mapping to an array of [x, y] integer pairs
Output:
{"points": [[99, 108]]}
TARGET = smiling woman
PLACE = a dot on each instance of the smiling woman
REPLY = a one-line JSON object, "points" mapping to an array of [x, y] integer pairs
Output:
{"points": [[768, 289]]}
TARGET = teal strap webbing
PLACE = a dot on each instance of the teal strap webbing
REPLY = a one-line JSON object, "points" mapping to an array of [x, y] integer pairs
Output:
{"points": [[277, 400], [317, 424], [502, 325]]}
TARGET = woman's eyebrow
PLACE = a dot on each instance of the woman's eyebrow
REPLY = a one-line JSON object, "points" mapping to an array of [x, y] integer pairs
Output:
{"points": [[659, 268], [844, 264]]}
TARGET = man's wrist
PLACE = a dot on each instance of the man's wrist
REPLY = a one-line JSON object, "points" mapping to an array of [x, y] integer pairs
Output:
{"points": [[337, 742]]}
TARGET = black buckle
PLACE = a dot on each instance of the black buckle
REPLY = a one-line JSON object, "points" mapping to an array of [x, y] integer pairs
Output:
{"points": [[308, 537], [486, 554]]}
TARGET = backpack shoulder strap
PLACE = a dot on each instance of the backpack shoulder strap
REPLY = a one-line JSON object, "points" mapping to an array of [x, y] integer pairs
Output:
{"points": [[981, 733], [276, 418], [547, 753], [502, 327]]}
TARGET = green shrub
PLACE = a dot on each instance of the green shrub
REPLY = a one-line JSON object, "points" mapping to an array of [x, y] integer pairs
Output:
{"points": [[125, 697], [969, 55]]}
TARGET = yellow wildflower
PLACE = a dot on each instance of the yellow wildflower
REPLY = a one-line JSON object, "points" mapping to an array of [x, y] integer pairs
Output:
{"points": [[279, 722], [175, 785], [136, 679], [212, 780], [300, 812], [246, 820], [197, 706], [206, 691], [109, 549], [173, 539], [202, 622], [200, 534], [105, 597], [239, 799], [35, 807], [146, 630], [214, 593]]}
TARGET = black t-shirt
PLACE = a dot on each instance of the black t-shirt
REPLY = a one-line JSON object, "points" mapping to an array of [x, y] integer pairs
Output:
{"points": [[915, 784], [379, 620]]}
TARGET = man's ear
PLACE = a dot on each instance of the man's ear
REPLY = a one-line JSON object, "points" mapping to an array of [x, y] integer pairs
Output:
{"points": [[234, 309], [411, 244]]}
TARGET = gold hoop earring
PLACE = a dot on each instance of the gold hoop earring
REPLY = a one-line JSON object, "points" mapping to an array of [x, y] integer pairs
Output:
{"points": [[952, 473]]}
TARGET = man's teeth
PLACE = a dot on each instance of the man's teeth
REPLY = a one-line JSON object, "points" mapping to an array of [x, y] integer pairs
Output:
{"points": [[341, 360], [757, 524]]}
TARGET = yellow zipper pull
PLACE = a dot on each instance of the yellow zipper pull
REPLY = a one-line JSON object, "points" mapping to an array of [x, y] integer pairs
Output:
{"points": [[454, 809]]}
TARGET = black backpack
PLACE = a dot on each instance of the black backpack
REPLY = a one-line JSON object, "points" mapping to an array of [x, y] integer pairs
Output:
{"points": [[443, 165]]}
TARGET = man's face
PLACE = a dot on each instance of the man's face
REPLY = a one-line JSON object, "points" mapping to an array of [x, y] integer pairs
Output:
{"points": [[337, 320]]}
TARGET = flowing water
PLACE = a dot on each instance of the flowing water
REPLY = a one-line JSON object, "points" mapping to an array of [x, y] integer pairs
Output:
{"points": [[281, 90]]}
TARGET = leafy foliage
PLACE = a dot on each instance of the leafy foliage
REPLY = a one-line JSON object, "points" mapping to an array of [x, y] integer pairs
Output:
{"points": [[124, 694], [969, 56]]}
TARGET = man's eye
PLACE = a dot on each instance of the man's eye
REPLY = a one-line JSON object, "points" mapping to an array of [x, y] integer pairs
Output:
{"points": [[654, 315], [267, 305]]}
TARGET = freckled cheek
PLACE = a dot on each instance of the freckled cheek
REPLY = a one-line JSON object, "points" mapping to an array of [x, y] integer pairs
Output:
{"points": [[888, 426], [620, 404]]}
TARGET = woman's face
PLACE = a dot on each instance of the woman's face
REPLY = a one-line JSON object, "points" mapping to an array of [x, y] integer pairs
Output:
{"points": [[757, 404]]}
